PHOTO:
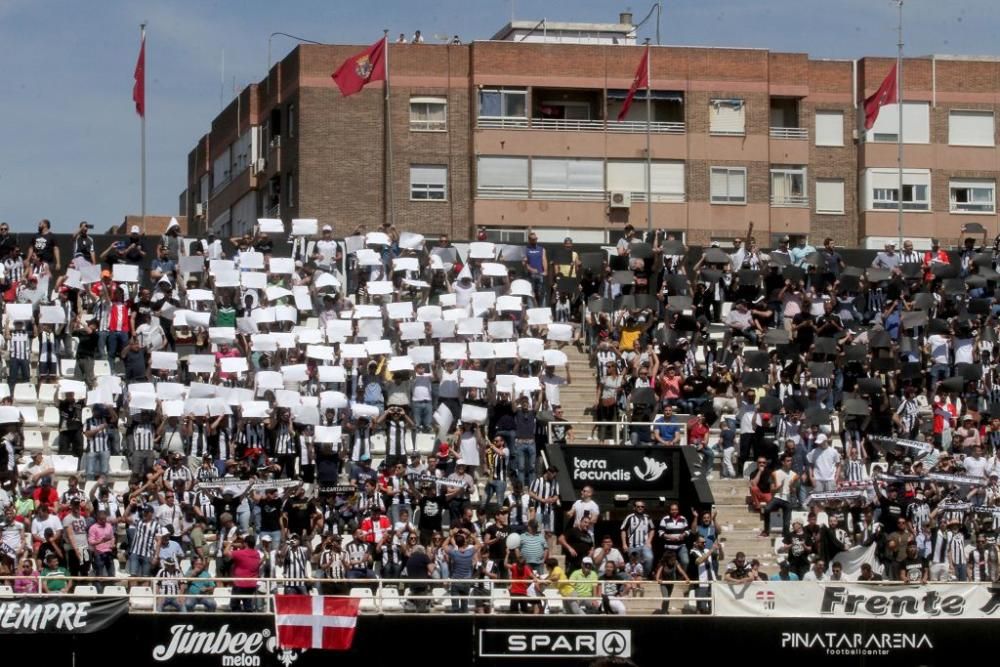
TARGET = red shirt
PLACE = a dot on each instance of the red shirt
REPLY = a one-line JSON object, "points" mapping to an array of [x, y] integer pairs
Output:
{"points": [[246, 567], [373, 532], [118, 317], [520, 579], [697, 431]]}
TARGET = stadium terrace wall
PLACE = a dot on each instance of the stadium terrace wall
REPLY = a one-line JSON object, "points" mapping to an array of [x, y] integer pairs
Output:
{"points": [[247, 640]]}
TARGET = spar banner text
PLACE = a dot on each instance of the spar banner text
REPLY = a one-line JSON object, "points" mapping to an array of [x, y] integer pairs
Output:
{"points": [[69, 615], [805, 599]]}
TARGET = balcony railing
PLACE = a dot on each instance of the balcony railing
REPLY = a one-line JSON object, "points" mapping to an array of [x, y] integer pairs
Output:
{"points": [[789, 133], [568, 125], [660, 197], [790, 201], [273, 212]]}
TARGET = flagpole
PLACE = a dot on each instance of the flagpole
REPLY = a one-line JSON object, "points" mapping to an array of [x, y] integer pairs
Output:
{"points": [[390, 207], [899, 135], [142, 124], [649, 152]]}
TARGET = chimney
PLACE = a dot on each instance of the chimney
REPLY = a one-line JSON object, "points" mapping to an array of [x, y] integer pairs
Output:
{"points": [[625, 18]]}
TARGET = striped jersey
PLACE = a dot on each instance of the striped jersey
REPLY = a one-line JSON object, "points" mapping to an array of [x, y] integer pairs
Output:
{"points": [[20, 344], [396, 436], [284, 442], [145, 542], [100, 441], [168, 582], [637, 528], [142, 437]]}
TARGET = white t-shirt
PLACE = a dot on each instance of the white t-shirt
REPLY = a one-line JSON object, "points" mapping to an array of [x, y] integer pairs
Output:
{"points": [[963, 350], [582, 507], [327, 251], [975, 467], [825, 461], [421, 387], [552, 384], [468, 448], [38, 526], [450, 384], [939, 348]]}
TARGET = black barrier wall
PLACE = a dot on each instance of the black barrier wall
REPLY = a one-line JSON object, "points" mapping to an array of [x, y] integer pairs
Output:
{"points": [[219, 640]]}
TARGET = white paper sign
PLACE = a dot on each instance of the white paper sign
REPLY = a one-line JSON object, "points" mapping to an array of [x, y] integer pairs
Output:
{"points": [[270, 380], [142, 401], [376, 347], [494, 270], [173, 408], [201, 390], [201, 363], [255, 409], [326, 280], [500, 329], [379, 287], [473, 414], [560, 332], [51, 315], [473, 379], [470, 326], [19, 312], [282, 265], [482, 250], [352, 351], [444, 419], [397, 364], [275, 292], [421, 354], [456, 351], [539, 316], [448, 300], [78, 388], [191, 264], [90, 273], [332, 374], [411, 330], [168, 391], [221, 334], [337, 331], [200, 295], [455, 314], [377, 238], [251, 259], [227, 279], [125, 273], [555, 358], [216, 265], [405, 264], [303, 300], [505, 350], [167, 360], [411, 240], [400, 310], [326, 434], [363, 410], [530, 348], [304, 226], [323, 352], [480, 350], [270, 225], [233, 364], [367, 311], [428, 313], [508, 303], [521, 287], [295, 373], [442, 329], [368, 257]]}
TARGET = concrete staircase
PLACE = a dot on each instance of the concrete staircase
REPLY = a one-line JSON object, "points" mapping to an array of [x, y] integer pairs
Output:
{"points": [[740, 527], [578, 396]]}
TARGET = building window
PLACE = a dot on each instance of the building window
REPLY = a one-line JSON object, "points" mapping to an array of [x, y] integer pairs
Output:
{"points": [[882, 189], [503, 103], [667, 179], [729, 185], [972, 196], [222, 170], [829, 128], [428, 182], [428, 114], [290, 189], [502, 177], [510, 236], [829, 196], [916, 124], [971, 128], [291, 121], [557, 178], [788, 187], [727, 117]]}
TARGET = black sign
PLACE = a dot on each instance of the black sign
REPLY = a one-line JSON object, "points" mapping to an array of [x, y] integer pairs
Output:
{"points": [[69, 615], [554, 643], [641, 469]]}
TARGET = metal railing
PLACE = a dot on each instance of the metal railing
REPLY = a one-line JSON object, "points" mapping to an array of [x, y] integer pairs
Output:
{"points": [[789, 133], [614, 433], [790, 201], [571, 125]]}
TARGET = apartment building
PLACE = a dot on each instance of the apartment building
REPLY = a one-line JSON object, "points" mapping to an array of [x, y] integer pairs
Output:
{"points": [[521, 131]]}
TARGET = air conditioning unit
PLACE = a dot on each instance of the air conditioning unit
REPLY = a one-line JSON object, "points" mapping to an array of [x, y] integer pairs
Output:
{"points": [[259, 165], [199, 210], [621, 199]]}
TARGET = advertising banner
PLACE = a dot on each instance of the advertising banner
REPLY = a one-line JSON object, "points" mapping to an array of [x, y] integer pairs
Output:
{"points": [[624, 468], [805, 599], [62, 615]]}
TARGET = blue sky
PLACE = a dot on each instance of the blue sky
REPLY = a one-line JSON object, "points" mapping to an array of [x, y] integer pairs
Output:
{"points": [[70, 151]]}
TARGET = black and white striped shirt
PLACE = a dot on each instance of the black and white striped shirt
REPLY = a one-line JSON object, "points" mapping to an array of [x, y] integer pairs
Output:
{"points": [[294, 567], [361, 443], [356, 553], [500, 462], [253, 435], [395, 437], [20, 345], [908, 411], [854, 471], [206, 506], [284, 443], [366, 502], [99, 442], [142, 437], [544, 488], [332, 563], [956, 548], [198, 440], [181, 472], [637, 528], [168, 582], [145, 541], [47, 348], [14, 269]]}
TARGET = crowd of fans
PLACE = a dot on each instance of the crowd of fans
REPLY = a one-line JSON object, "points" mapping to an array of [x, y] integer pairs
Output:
{"points": [[380, 406]]}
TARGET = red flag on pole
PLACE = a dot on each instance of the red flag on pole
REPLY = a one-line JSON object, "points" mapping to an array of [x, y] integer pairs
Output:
{"points": [[886, 94], [315, 621], [361, 69], [139, 89], [641, 80]]}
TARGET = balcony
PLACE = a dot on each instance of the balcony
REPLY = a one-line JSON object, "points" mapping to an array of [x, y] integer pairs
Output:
{"points": [[789, 201], [799, 133], [570, 125], [273, 212]]}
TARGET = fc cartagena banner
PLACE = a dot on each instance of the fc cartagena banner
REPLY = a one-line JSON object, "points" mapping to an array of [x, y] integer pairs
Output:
{"points": [[68, 615], [807, 599]]}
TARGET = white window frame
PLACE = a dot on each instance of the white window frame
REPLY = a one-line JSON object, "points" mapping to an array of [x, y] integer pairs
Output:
{"points": [[503, 188], [726, 199], [737, 105], [584, 166], [422, 106], [790, 174], [829, 132], [843, 194], [884, 198], [630, 176], [985, 206], [436, 191], [504, 93], [916, 124], [981, 113]]}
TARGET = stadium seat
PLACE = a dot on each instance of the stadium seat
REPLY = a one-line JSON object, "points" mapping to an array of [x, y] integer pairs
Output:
{"points": [[85, 590], [29, 415], [222, 596], [120, 487], [118, 466], [378, 443], [141, 598], [425, 443], [366, 597], [65, 464], [553, 601], [50, 417], [501, 599], [25, 394], [115, 591], [101, 367], [389, 601], [47, 393], [4, 391], [439, 594], [33, 441], [6, 592], [67, 368]]}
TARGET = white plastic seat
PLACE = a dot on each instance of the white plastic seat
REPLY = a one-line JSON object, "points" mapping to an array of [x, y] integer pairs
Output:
{"points": [[4, 391], [65, 464], [101, 367], [439, 595], [85, 590], [47, 393], [378, 443], [500, 598], [222, 595], [425, 443], [367, 599], [67, 368], [29, 415], [25, 393], [118, 466], [389, 601], [553, 601], [120, 487], [6, 592], [50, 417], [33, 441], [141, 598], [115, 591]]}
